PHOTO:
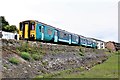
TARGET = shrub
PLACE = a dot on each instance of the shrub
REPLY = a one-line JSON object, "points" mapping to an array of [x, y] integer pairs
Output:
{"points": [[25, 55], [14, 60], [5, 65], [36, 56], [81, 54], [81, 49]]}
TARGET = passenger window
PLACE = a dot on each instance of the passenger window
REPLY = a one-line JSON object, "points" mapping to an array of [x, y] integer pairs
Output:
{"points": [[76, 38], [49, 32], [66, 35], [70, 36], [61, 35]]}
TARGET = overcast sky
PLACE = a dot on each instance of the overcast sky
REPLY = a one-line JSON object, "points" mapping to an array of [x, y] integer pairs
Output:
{"points": [[90, 18]]}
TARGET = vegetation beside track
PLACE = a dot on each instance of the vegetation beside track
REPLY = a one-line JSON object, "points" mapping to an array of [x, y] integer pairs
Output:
{"points": [[108, 69]]}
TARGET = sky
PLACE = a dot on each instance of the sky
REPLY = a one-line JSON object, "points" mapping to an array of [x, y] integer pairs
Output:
{"points": [[91, 18]]}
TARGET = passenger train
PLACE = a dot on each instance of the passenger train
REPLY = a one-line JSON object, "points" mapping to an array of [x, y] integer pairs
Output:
{"points": [[38, 31]]}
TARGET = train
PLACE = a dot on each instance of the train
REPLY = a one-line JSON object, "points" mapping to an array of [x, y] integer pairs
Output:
{"points": [[37, 31]]}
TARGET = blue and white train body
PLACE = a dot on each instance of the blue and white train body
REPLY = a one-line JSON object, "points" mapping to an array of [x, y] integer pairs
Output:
{"points": [[34, 30]]}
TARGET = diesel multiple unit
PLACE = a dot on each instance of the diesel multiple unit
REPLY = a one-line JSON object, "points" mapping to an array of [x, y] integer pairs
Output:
{"points": [[38, 31]]}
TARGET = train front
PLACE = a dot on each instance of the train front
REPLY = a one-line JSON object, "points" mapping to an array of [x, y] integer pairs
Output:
{"points": [[27, 30]]}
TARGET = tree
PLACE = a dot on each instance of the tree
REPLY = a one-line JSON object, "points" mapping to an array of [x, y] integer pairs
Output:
{"points": [[5, 25], [13, 28], [3, 21]]}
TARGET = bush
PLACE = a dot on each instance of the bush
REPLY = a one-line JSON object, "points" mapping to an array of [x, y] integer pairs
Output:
{"points": [[81, 54], [14, 60], [82, 49], [25, 55], [36, 56]]}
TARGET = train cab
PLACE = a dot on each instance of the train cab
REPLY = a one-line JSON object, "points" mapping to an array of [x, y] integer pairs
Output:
{"points": [[27, 30]]}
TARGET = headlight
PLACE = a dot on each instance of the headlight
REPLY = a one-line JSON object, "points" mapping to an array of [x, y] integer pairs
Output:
{"points": [[32, 35]]}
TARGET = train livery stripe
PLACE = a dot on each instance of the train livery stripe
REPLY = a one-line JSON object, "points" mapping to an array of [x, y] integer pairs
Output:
{"points": [[42, 30], [70, 39], [63, 40], [55, 36], [74, 42]]}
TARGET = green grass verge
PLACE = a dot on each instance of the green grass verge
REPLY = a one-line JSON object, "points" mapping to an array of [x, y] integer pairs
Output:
{"points": [[108, 69]]}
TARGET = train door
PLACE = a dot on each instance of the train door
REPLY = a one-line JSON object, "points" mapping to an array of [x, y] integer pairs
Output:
{"points": [[26, 31], [56, 36], [70, 39], [42, 31]]}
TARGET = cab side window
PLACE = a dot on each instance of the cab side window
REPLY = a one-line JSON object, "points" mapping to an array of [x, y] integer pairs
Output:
{"points": [[33, 27], [21, 26], [40, 28]]}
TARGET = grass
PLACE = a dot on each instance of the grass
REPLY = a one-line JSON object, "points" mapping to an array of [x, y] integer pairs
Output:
{"points": [[108, 69], [25, 55], [56, 74], [14, 60], [37, 56]]}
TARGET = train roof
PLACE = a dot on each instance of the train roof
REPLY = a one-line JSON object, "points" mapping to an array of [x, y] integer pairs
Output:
{"points": [[53, 27]]}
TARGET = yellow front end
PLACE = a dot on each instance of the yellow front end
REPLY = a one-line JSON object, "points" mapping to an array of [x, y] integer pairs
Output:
{"points": [[20, 34], [27, 30], [33, 30], [20, 31]]}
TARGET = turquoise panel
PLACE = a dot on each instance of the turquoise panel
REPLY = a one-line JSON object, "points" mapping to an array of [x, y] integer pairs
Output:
{"points": [[48, 33], [56, 36], [38, 31], [94, 45], [89, 43], [63, 37], [75, 39], [83, 41]]}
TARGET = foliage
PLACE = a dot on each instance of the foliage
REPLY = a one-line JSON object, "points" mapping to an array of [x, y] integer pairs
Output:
{"points": [[36, 56], [25, 55], [62, 73], [105, 70], [81, 54], [3, 21], [5, 25], [5, 65], [23, 47], [14, 60], [81, 49], [117, 52], [45, 63], [38, 77]]}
